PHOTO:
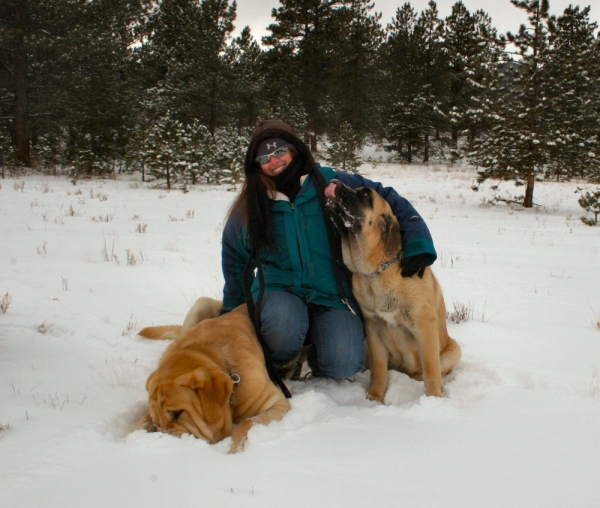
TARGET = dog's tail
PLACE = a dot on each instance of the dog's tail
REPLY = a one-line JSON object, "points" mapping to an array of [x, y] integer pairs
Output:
{"points": [[203, 308], [169, 332]]}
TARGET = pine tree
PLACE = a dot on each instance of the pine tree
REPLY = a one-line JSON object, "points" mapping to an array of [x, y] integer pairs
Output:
{"points": [[49, 150], [300, 58], [435, 75], [473, 51], [590, 202], [289, 109], [26, 29], [412, 80], [573, 96], [165, 150], [186, 60], [70, 74], [248, 102], [136, 158], [102, 104], [357, 38], [199, 147], [515, 147], [230, 150], [342, 151], [479, 116], [546, 112]]}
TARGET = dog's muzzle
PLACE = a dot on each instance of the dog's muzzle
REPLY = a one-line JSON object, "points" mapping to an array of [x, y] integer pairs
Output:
{"points": [[339, 196]]}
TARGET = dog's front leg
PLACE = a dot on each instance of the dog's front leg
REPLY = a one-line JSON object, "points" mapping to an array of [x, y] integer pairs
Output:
{"points": [[429, 350], [378, 363], [276, 412], [240, 435]]}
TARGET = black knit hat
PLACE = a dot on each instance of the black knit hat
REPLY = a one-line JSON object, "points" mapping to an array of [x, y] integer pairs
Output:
{"points": [[268, 146]]}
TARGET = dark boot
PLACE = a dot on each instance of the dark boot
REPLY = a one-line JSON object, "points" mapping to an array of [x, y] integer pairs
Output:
{"points": [[293, 369]]}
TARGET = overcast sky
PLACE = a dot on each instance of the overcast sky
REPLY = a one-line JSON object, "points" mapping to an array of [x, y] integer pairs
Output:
{"points": [[505, 16]]}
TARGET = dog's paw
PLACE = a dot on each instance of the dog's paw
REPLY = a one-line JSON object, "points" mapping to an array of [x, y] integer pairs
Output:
{"points": [[240, 435], [434, 388], [375, 397], [238, 446]]}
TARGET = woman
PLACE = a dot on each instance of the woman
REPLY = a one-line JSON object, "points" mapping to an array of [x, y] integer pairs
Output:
{"points": [[302, 289]]}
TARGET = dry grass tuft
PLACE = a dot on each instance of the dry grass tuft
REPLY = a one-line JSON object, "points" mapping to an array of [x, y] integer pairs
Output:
{"points": [[460, 313], [5, 303]]}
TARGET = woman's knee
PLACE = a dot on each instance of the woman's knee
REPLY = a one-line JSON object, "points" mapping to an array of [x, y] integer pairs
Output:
{"points": [[284, 323], [344, 363], [339, 340]]}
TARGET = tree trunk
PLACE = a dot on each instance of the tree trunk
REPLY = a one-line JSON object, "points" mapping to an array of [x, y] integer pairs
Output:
{"points": [[455, 134], [168, 175], [21, 85], [212, 122], [312, 136], [528, 203], [426, 150]]}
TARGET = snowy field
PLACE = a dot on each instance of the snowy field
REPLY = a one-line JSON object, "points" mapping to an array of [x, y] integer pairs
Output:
{"points": [[86, 266]]}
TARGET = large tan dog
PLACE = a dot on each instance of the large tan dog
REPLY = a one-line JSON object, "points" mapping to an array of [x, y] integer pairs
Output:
{"points": [[211, 378], [405, 318]]}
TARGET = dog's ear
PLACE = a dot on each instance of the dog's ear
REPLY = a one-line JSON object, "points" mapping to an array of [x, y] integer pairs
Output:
{"points": [[391, 235], [150, 383], [214, 388]]}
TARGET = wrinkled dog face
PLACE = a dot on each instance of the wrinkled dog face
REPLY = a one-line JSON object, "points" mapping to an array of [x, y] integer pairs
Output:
{"points": [[370, 232], [195, 402]]}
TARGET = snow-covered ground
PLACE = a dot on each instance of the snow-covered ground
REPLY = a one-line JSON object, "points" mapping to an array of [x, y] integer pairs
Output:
{"points": [[88, 265]]}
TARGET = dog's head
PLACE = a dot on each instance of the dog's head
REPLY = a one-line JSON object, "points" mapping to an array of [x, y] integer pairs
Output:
{"points": [[369, 229], [187, 397]]}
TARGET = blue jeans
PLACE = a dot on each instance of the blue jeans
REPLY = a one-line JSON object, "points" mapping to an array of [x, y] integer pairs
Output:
{"points": [[288, 323]]}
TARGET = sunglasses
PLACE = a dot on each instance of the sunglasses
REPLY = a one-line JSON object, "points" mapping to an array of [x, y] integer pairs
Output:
{"points": [[280, 152]]}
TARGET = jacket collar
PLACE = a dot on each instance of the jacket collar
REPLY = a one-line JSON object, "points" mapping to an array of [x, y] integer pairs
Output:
{"points": [[279, 196]]}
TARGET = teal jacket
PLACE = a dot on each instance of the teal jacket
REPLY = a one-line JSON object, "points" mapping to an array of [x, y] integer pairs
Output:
{"points": [[303, 264]]}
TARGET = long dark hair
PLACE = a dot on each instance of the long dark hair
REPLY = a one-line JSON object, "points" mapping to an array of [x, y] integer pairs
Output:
{"points": [[253, 200]]}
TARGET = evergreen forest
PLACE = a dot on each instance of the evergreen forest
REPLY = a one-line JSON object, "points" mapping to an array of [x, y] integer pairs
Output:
{"points": [[165, 88]]}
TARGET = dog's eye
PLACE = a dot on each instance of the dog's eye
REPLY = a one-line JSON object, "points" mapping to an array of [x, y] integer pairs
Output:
{"points": [[174, 415], [366, 196]]}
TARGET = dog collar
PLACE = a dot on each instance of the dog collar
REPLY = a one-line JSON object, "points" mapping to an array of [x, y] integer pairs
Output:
{"points": [[236, 381], [386, 264]]}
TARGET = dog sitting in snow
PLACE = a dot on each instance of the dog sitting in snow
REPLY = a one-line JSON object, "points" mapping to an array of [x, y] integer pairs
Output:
{"points": [[405, 318]]}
